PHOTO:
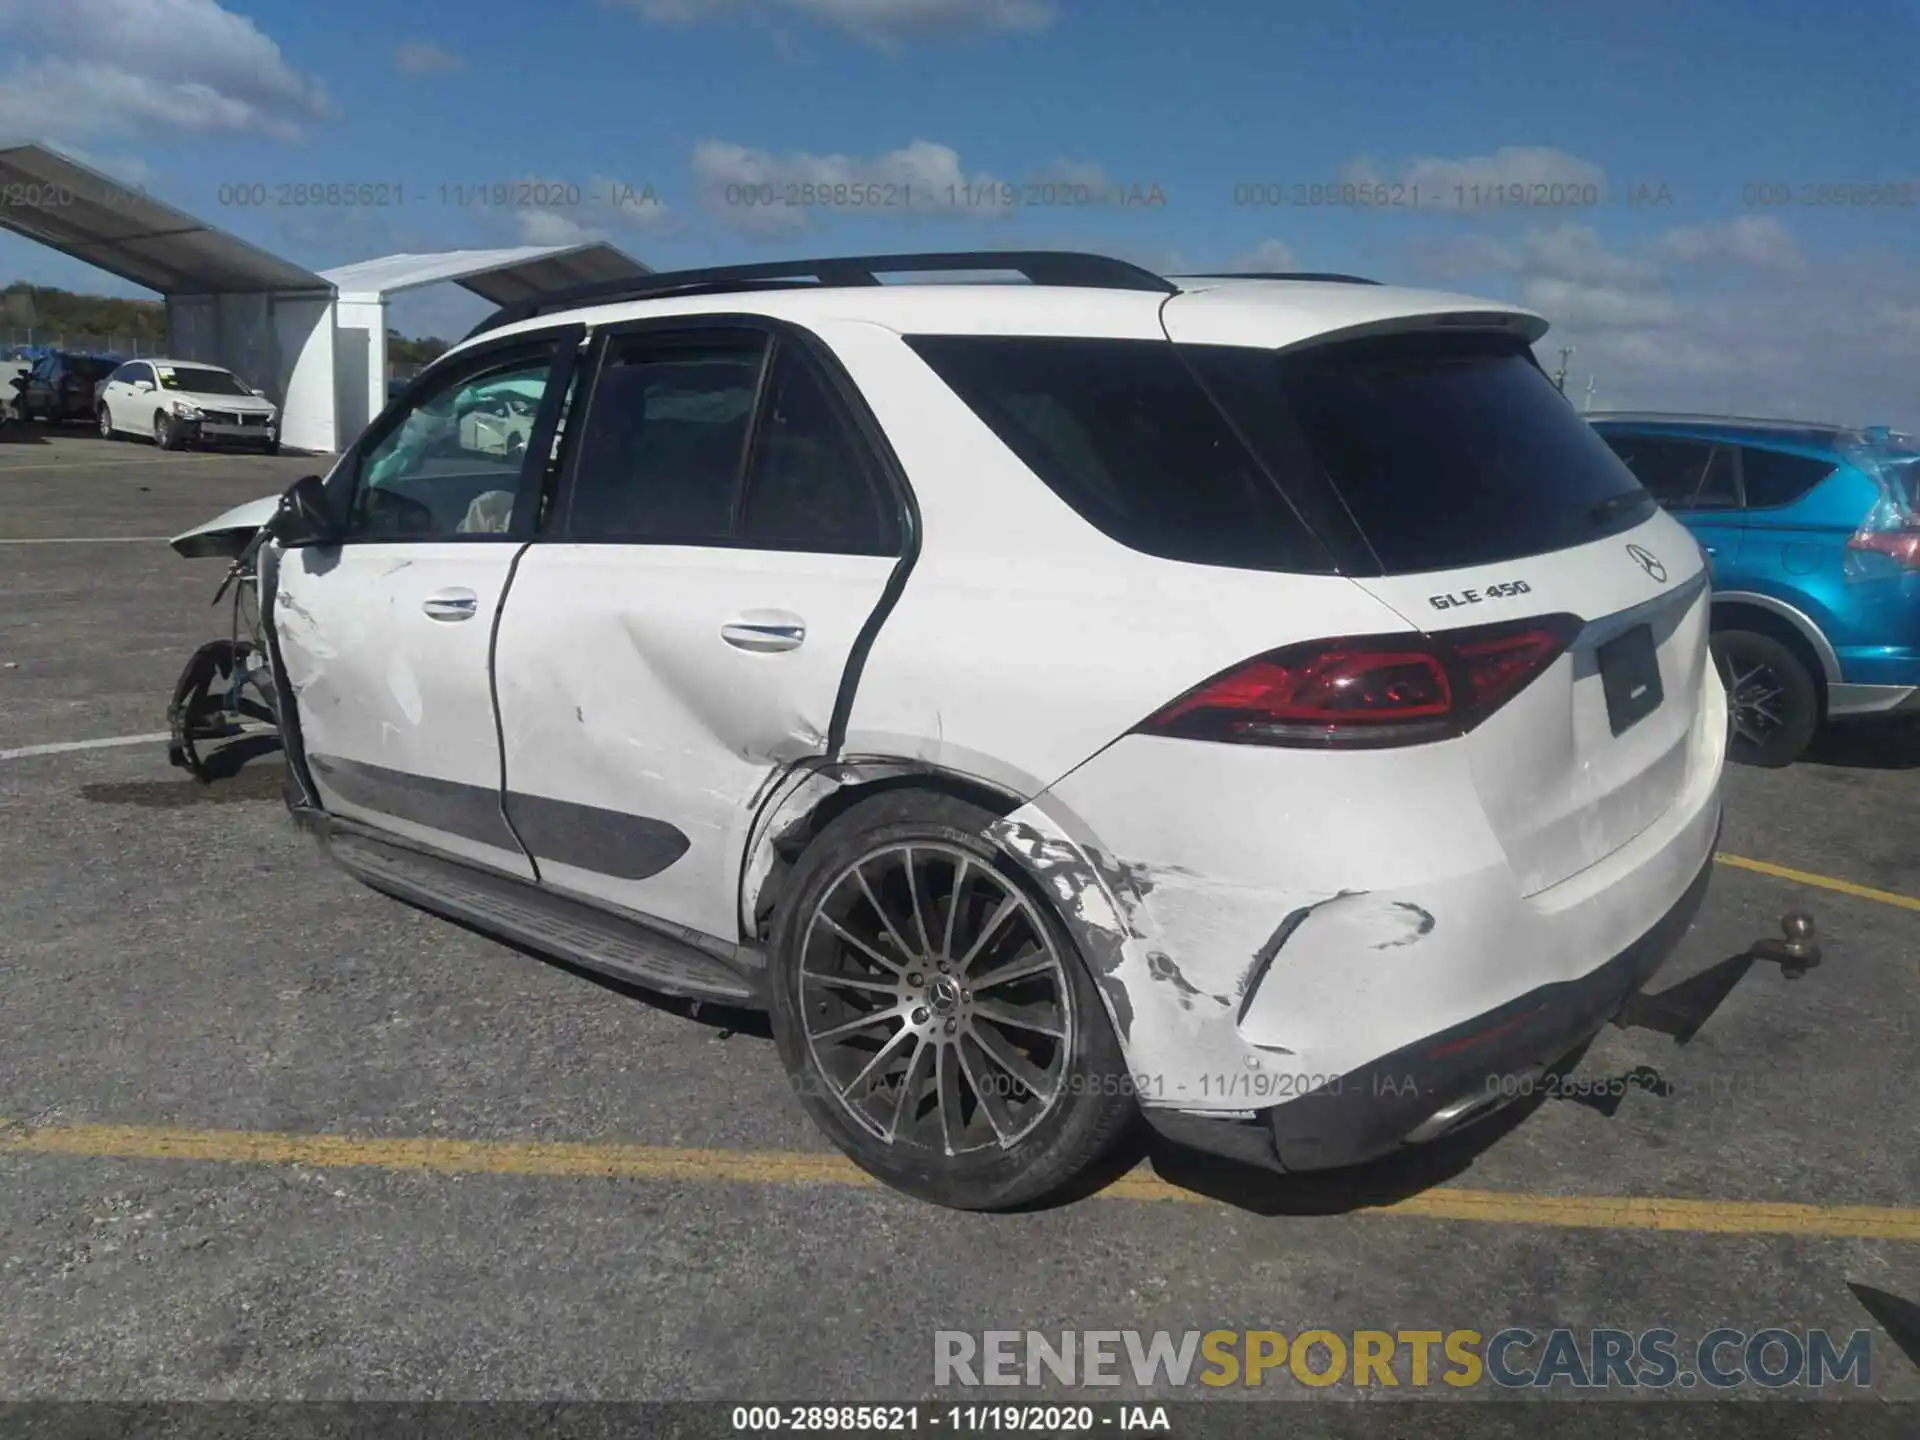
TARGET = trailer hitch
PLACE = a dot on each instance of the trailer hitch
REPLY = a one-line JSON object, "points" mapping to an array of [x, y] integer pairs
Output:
{"points": [[1796, 953]]}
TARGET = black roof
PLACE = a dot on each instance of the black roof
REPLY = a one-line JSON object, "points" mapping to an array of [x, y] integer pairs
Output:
{"points": [[1041, 267]]}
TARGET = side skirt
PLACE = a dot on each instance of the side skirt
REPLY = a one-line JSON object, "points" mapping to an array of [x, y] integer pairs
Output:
{"points": [[515, 910]]}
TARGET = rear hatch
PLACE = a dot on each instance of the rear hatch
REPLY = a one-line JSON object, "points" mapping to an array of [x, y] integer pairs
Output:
{"points": [[1456, 485]]}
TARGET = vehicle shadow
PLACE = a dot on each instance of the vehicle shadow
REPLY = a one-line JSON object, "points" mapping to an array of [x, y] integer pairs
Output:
{"points": [[18, 432], [1868, 745], [729, 1020], [230, 779], [1898, 1316]]}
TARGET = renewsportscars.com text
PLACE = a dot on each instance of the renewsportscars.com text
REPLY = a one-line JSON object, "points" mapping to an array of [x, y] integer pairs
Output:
{"points": [[1597, 1358]]}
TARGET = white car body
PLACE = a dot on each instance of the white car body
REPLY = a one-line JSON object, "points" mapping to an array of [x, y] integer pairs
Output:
{"points": [[136, 396], [1273, 928]]}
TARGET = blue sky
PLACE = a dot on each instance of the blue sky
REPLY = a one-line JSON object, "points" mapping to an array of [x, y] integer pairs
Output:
{"points": [[1698, 295]]}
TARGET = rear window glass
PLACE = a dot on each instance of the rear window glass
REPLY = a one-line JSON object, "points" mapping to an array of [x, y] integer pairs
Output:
{"points": [[1773, 477], [1447, 450], [1121, 431]]}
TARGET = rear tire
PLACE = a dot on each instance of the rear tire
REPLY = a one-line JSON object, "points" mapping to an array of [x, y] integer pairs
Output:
{"points": [[1773, 704], [958, 1096], [107, 432]]}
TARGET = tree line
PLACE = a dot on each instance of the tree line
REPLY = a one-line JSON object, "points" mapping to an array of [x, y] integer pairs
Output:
{"points": [[45, 308]]}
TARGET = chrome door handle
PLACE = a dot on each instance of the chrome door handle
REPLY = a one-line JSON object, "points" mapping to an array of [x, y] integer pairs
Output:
{"points": [[765, 634], [453, 603]]}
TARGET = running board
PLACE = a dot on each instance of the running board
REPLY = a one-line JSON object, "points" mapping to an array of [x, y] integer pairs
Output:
{"points": [[543, 920]]}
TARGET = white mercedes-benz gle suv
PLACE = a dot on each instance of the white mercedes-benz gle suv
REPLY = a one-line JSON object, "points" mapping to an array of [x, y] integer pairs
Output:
{"points": [[1260, 703]]}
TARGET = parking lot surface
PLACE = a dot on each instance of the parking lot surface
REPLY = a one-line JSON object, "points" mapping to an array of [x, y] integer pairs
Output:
{"points": [[267, 1134]]}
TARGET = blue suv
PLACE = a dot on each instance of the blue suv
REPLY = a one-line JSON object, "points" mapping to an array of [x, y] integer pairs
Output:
{"points": [[1813, 538]]}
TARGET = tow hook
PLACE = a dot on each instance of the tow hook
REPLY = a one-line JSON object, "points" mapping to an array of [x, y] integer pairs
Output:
{"points": [[1798, 953]]}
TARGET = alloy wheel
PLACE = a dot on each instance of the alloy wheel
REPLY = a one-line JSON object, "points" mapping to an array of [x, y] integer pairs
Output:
{"points": [[1756, 699], [935, 1001]]}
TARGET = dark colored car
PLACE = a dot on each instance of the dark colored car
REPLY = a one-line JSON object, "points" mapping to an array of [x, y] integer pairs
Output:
{"points": [[61, 386]]}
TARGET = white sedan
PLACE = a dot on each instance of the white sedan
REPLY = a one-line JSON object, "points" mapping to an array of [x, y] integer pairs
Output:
{"points": [[182, 402]]}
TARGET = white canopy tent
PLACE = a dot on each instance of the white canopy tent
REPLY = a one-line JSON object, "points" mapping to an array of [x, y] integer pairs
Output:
{"points": [[315, 342], [358, 361], [228, 302]]}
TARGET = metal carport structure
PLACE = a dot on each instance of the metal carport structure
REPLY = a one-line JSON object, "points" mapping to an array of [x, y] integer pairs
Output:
{"points": [[315, 342], [498, 276], [228, 302]]}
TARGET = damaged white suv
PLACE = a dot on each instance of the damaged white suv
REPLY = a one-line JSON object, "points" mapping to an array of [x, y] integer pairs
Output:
{"points": [[1258, 702]]}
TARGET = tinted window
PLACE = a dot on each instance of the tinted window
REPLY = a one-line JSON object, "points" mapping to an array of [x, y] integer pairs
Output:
{"points": [[811, 483], [1671, 469], [1447, 450], [1121, 431], [450, 464], [665, 438], [1772, 477], [200, 380], [1717, 490]]}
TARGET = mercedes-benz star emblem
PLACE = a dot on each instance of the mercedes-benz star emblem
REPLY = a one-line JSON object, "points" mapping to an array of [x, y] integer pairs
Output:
{"points": [[1648, 562]]}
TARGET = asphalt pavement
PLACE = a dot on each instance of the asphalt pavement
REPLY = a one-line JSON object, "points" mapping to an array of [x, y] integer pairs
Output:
{"points": [[265, 1134]]}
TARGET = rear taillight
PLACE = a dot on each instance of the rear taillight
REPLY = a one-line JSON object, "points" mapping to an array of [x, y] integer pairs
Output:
{"points": [[1902, 545], [1371, 690]]}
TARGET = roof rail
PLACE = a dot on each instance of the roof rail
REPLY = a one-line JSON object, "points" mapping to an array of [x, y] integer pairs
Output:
{"points": [[1041, 267], [1322, 275], [1663, 417]]}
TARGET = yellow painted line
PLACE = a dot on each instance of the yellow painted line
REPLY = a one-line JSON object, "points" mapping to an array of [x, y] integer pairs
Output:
{"points": [[1823, 882], [794, 1168]]}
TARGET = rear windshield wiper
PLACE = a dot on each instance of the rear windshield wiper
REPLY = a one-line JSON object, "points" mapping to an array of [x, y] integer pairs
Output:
{"points": [[1614, 504]]}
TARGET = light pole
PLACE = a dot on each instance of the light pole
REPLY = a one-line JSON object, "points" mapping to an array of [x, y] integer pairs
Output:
{"points": [[1560, 376]]}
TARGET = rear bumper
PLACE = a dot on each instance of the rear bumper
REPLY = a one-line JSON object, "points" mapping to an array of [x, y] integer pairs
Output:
{"points": [[1444, 1080]]}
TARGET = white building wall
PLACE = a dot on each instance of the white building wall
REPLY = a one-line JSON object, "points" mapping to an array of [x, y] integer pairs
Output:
{"points": [[360, 347], [309, 413], [282, 343]]}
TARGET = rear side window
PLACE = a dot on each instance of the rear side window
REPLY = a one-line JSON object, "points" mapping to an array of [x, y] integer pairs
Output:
{"points": [[1447, 450], [811, 484], [1675, 471], [660, 457], [1121, 431], [1772, 477]]}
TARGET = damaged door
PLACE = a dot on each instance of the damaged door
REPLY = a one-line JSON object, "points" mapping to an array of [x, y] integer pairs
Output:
{"points": [[385, 636], [683, 626]]}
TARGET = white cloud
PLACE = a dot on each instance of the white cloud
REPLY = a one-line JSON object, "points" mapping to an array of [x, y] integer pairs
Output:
{"points": [[886, 23], [423, 57], [1572, 303], [138, 67], [127, 169], [607, 209], [1730, 316], [1762, 241], [760, 193], [1482, 184], [1272, 255]]}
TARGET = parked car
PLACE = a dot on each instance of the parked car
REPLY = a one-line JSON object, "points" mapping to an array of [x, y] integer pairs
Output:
{"points": [[1261, 704], [59, 386], [177, 403], [13, 378], [1813, 535]]}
